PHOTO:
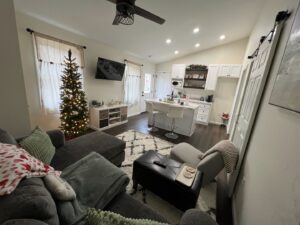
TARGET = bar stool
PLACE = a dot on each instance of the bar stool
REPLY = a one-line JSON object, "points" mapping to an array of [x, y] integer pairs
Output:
{"points": [[153, 112], [174, 113]]}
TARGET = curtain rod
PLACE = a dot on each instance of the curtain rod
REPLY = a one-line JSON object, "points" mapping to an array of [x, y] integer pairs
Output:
{"points": [[54, 38], [138, 64]]}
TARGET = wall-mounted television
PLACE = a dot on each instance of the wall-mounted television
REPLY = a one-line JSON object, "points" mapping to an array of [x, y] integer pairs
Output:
{"points": [[109, 70]]}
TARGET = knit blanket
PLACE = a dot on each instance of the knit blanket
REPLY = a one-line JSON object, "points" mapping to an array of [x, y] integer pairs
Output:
{"points": [[16, 164], [96, 182], [229, 152]]}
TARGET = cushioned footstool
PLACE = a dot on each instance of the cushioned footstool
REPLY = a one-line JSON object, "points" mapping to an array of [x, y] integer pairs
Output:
{"points": [[162, 180]]}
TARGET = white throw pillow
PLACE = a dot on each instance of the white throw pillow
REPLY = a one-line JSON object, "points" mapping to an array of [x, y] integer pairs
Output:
{"points": [[59, 188]]}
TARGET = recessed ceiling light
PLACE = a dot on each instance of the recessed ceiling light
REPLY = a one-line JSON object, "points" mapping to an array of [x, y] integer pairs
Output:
{"points": [[222, 37], [168, 41], [196, 30], [197, 45], [176, 52]]}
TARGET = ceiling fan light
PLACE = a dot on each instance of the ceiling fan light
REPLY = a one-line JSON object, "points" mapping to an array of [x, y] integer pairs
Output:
{"points": [[125, 14]]}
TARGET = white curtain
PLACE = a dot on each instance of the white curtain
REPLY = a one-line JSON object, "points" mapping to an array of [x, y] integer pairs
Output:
{"points": [[50, 55], [132, 84]]}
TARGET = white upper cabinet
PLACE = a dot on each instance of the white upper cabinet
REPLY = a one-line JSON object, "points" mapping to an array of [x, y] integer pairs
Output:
{"points": [[230, 70], [236, 70], [178, 71], [212, 77]]}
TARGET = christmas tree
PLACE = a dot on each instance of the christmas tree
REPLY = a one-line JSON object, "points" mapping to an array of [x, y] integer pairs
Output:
{"points": [[73, 107]]}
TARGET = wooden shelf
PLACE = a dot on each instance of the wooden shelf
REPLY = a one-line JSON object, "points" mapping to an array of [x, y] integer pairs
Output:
{"points": [[195, 79], [114, 118], [193, 87], [111, 113]]}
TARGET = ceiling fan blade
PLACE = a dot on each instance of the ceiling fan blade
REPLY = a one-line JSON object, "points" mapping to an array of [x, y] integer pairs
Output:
{"points": [[116, 21], [113, 1], [148, 15]]}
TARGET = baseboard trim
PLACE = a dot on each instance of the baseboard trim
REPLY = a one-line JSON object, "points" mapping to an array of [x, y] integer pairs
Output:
{"points": [[214, 122], [134, 114], [233, 211]]}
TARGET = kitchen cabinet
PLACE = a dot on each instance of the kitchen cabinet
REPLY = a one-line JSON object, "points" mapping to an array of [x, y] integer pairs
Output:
{"points": [[230, 70], [212, 77], [204, 113], [178, 71]]}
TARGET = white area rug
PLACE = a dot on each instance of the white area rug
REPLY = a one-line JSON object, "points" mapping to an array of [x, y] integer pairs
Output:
{"points": [[136, 144]]}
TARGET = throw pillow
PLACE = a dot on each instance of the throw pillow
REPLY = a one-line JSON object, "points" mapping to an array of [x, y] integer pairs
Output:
{"points": [[7, 138], [39, 145], [59, 188], [98, 217]]}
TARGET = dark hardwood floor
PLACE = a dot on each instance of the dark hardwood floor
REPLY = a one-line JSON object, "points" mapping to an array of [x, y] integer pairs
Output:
{"points": [[203, 138]]}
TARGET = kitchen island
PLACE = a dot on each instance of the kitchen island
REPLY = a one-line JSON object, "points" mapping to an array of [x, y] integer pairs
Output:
{"points": [[185, 126]]}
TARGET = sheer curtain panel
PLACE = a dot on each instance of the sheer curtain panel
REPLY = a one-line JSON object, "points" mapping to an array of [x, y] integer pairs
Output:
{"points": [[132, 84], [50, 55]]}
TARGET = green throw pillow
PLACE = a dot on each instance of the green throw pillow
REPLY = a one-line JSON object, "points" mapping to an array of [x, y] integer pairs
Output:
{"points": [[39, 145], [98, 217]]}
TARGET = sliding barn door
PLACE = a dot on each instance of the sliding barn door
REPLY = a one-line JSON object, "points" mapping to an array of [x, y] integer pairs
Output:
{"points": [[252, 97]]}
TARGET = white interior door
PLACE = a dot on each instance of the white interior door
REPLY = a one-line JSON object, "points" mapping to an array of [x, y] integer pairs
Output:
{"points": [[147, 89], [251, 100], [163, 85], [237, 98]]}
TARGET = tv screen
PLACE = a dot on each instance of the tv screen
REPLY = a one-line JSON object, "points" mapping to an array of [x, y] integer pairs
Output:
{"points": [[109, 70]]}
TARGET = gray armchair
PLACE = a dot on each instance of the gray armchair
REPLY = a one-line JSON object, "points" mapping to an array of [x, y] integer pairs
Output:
{"points": [[211, 165]]}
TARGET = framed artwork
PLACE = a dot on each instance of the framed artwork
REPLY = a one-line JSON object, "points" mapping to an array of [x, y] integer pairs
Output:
{"points": [[286, 90]]}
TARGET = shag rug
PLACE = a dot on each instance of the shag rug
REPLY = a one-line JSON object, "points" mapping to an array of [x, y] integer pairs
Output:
{"points": [[138, 143]]}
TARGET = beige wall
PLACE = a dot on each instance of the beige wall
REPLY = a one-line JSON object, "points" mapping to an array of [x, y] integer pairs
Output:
{"points": [[14, 115], [232, 53], [95, 89], [268, 191]]}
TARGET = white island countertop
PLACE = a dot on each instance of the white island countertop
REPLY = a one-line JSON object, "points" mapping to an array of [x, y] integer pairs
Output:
{"points": [[185, 105], [184, 125]]}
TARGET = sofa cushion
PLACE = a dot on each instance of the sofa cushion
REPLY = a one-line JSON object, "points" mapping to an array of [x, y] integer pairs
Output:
{"points": [[7, 138], [24, 222], [129, 207], [39, 145], [30, 200], [106, 145], [186, 153], [98, 217]]}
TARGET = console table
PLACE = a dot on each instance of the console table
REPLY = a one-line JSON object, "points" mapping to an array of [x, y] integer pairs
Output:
{"points": [[105, 117]]}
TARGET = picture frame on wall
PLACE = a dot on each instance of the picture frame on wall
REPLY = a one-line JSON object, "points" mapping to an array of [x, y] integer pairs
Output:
{"points": [[286, 89]]}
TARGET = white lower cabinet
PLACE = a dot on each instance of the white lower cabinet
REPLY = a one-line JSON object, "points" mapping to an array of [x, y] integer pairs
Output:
{"points": [[204, 112]]}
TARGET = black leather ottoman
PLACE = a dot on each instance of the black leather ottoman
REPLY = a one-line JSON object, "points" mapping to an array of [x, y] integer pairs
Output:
{"points": [[162, 181]]}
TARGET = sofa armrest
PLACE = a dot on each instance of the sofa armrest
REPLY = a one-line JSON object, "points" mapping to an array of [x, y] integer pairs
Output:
{"points": [[23, 222], [57, 138], [196, 217]]}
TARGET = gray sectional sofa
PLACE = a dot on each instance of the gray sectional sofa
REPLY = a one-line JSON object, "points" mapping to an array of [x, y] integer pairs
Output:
{"points": [[32, 204]]}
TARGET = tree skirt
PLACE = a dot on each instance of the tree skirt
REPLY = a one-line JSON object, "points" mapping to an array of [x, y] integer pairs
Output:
{"points": [[138, 143]]}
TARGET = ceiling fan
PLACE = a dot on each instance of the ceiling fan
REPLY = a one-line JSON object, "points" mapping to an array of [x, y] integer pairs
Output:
{"points": [[125, 10]]}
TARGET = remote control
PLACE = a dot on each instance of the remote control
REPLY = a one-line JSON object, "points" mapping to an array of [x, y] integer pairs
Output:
{"points": [[161, 164]]}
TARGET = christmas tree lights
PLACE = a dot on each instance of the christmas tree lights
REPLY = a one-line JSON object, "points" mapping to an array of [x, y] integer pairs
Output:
{"points": [[73, 106]]}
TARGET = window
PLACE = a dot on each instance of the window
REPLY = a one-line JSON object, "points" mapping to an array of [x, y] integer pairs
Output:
{"points": [[148, 82], [50, 56]]}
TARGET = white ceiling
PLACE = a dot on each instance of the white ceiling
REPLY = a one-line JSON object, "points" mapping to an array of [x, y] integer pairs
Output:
{"points": [[93, 18]]}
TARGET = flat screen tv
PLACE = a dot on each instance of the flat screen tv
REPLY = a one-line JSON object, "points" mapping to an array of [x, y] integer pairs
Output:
{"points": [[109, 70]]}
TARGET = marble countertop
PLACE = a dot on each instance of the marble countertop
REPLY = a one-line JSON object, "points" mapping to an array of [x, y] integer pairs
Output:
{"points": [[175, 104]]}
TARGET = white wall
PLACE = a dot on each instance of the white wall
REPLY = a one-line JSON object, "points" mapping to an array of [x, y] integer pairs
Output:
{"points": [[14, 116], [268, 190], [232, 53], [95, 89]]}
